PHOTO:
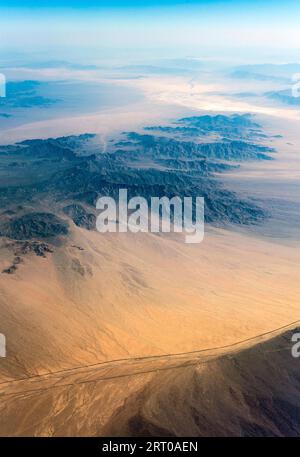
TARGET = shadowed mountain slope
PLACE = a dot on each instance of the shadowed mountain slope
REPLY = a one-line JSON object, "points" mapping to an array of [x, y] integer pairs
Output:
{"points": [[252, 391], [255, 392]]}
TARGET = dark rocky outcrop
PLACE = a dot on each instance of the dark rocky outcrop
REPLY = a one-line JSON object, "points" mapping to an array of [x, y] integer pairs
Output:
{"points": [[34, 225], [80, 216], [71, 173]]}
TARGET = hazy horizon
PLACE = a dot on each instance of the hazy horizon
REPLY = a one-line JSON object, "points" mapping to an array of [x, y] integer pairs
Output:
{"points": [[215, 28]]}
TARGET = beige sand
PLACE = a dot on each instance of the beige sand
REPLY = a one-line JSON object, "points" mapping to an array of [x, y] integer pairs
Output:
{"points": [[129, 295]]}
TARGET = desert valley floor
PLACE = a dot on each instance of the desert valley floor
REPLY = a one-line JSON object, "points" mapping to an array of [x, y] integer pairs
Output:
{"points": [[112, 333]]}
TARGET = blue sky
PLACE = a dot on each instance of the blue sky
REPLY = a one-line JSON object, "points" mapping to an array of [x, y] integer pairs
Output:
{"points": [[267, 5], [150, 23], [111, 3]]}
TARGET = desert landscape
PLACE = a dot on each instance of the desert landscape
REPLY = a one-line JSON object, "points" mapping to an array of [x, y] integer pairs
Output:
{"points": [[124, 333], [99, 322]]}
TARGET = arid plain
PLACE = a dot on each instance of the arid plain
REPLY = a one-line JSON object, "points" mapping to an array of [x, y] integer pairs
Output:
{"points": [[103, 297]]}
